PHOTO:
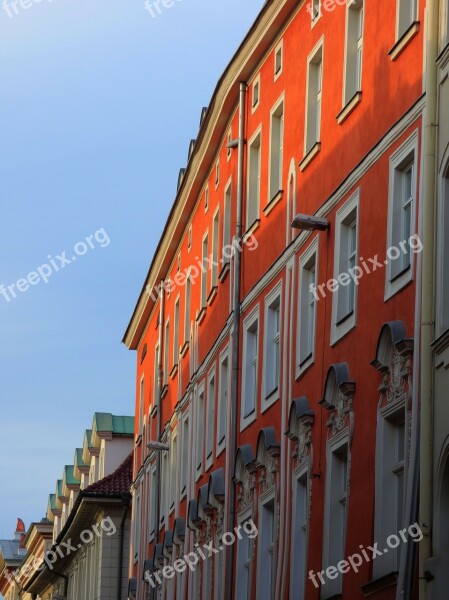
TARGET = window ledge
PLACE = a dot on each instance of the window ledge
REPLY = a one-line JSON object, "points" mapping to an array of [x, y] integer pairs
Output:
{"points": [[201, 315], [381, 583], [174, 371], [164, 391], [139, 439], [310, 156], [272, 203], [185, 349], [404, 40], [251, 230], [153, 412], [347, 110], [212, 295], [224, 272]]}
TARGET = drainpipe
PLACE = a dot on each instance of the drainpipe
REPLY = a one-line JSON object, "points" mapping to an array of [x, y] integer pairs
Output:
{"points": [[428, 291], [236, 329], [120, 558]]}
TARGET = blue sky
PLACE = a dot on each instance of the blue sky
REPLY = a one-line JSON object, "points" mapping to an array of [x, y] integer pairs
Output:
{"points": [[99, 102]]}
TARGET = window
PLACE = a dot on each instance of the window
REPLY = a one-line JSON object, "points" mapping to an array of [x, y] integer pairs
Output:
{"points": [[189, 239], [173, 471], [141, 404], [206, 199], [243, 572], [176, 335], [307, 308], [344, 299], [276, 149], [406, 16], [253, 201], [272, 347], [210, 419], [153, 499], [217, 173], [156, 376], [316, 10], [354, 50], [300, 537], [219, 570], [227, 221], [199, 433], [214, 274], [335, 515], [136, 534], [185, 454], [401, 216], [266, 567], [314, 98], [166, 351], [256, 93], [187, 310], [250, 364], [223, 403], [443, 254], [228, 149], [207, 577], [278, 61], [165, 486], [204, 271], [389, 517]]}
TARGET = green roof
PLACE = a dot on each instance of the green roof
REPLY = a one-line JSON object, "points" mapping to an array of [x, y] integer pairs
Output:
{"points": [[52, 501], [59, 488], [79, 462], [88, 438], [69, 476], [117, 425]]}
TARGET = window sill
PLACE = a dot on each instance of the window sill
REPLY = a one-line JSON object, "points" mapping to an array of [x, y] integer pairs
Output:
{"points": [[201, 315], [164, 391], [224, 272], [246, 421], [272, 203], [220, 449], [350, 106], [212, 295], [249, 232], [185, 349], [404, 40], [381, 583], [277, 74], [153, 412], [139, 439], [271, 399], [174, 372], [310, 156], [304, 366]]}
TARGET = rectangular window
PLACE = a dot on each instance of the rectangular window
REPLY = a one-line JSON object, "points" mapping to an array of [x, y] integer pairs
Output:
{"points": [[307, 307], [185, 455], [141, 404], [354, 50], [314, 99], [243, 574], [256, 93], [136, 535], [153, 498], [176, 335], [165, 486], [215, 229], [224, 403], [443, 254], [156, 376], [406, 16], [166, 352], [207, 578], [253, 202], [251, 354], [204, 271], [278, 60], [187, 310], [300, 537], [272, 345], [316, 9], [219, 570], [227, 221], [173, 471], [276, 150], [199, 433], [210, 420], [266, 566]]}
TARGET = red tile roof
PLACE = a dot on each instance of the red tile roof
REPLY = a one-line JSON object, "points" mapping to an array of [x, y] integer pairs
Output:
{"points": [[116, 484]]}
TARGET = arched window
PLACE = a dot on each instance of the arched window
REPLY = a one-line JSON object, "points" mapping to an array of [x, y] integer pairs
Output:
{"points": [[291, 202]]}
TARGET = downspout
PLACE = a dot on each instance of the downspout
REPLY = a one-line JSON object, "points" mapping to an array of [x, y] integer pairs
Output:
{"points": [[120, 558], [428, 291], [236, 330]]}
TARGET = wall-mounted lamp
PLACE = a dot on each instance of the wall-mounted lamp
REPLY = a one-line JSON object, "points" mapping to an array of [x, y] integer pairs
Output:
{"points": [[158, 446], [310, 223]]}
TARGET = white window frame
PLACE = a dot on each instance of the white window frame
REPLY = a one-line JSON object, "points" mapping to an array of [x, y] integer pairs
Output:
{"points": [[217, 173], [443, 250], [300, 539], [386, 521], [278, 50], [338, 330], [157, 359], [187, 308], [210, 417], [334, 447], [227, 215], [314, 98], [174, 461], [185, 454], [223, 408], [228, 150], [252, 319], [136, 526], [305, 295], [402, 6], [166, 351], [245, 566], [407, 153], [315, 18], [255, 85], [200, 430], [270, 396], [276, 161], [263, 593], [353, 52], [206, 199], [252, 219], [141, 403], [219, 568], [204, 271], [165, 489], [215, 248], [152, 490], [176, 319]]}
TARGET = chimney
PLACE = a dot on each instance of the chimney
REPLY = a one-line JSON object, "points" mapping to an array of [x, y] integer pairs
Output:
{"points": [[20, 531]]}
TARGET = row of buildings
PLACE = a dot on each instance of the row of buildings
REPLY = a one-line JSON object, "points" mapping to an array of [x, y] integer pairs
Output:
{"points": [[291, 335]]}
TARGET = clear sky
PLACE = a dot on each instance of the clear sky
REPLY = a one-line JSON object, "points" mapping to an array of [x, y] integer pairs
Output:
{"points": [[98, 104]]}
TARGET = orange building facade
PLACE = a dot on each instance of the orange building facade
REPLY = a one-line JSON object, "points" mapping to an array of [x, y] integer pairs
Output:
{"points": [[276, 411]]}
